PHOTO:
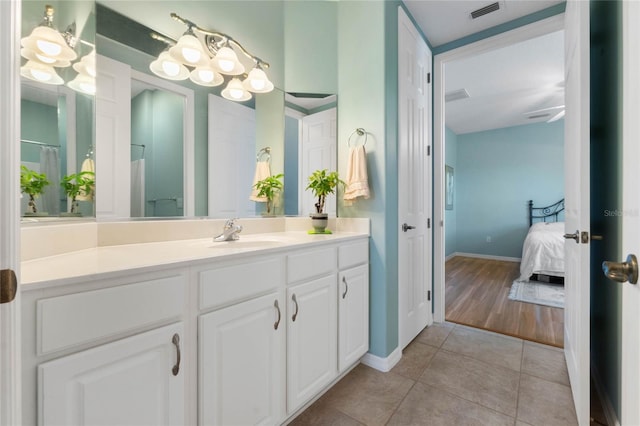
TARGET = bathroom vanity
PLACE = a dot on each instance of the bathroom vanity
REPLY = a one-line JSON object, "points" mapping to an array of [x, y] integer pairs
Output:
{"points": [[191, 331]]}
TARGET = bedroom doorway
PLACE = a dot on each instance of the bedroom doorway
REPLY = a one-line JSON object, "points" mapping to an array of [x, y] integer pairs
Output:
{"points": [[486, 172]]}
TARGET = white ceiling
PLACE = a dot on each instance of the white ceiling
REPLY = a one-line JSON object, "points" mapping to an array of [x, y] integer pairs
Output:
{"points": [[503, 84]]}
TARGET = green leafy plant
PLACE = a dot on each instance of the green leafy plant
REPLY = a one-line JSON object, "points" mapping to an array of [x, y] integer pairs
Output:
{"points": [[76, 184], [323, 183], [32, 183], [269, 187]]}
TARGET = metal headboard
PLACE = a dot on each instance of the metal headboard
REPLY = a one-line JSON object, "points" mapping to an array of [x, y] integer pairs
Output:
{"points": [[545, 213]]}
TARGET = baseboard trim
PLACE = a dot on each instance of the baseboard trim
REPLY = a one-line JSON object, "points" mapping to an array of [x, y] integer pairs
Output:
{"points": [[607, 406], [485, 256], [451, 256], [382, 364]]}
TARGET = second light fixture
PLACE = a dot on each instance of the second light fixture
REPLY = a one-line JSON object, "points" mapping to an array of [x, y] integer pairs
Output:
{"points": [[210, 59]]}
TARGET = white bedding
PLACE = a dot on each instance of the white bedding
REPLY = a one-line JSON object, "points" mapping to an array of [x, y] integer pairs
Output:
{"points": [[543, 250]]}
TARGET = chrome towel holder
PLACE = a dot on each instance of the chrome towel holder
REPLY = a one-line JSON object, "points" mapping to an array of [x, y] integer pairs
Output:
{"points": [[264, 151], [360, 132]]}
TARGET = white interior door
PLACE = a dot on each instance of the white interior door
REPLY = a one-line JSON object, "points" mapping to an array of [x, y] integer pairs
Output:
{"points": [[577, 134], [232, 158], [317, 152], [414, 181], [630, 394], [10, 369]]}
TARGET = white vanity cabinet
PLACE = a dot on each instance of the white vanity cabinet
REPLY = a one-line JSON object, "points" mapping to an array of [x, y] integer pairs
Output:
{"points": [[242, 346], [353, 303], [133, 381], [312, 331]]}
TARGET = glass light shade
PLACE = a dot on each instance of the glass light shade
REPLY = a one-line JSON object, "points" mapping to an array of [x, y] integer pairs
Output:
{"points": [[226, 62], [43, 59], [257, 81], [48, 42], [188, 51], [87, 65], [206, 76], [167, 67], [83, 83], [40, 72], [235, 92]]}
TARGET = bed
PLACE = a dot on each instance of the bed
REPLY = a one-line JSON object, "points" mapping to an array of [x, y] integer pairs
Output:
{"points": [[543, 248]]}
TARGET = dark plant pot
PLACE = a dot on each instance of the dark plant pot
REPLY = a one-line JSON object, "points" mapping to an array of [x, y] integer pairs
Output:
{"points": [[319, 221]]}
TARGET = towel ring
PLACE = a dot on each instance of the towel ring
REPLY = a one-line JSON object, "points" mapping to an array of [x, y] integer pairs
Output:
{"points": [[264, 151], [360, 131]]}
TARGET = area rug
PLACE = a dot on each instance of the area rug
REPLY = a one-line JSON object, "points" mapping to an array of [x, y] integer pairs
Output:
{"points": [[538, 293]]}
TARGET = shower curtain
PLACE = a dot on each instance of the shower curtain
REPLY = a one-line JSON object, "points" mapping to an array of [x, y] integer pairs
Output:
{"points": [[137, 188], [50, 165]]}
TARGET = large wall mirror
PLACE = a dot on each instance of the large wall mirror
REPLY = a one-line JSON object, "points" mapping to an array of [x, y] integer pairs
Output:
{"points": [[57, 127], [181, 159]]}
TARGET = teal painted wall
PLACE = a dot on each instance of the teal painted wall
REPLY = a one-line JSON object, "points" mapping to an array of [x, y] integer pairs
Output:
{"points": [[310, 46], [450, 223], [42, 126], [497, 172], [606, 197], [291, 165]]}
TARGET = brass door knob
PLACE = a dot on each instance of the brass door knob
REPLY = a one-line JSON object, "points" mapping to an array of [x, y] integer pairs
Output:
{"points": [[622, 271]]}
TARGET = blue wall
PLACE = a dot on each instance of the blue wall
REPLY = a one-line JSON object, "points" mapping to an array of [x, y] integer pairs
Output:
{"points": [[497, 172], [450, 223], [291, 165]]}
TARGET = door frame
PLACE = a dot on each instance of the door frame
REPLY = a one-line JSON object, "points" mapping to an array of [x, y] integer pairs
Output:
{"points": [[10, 365], [536, 29]]}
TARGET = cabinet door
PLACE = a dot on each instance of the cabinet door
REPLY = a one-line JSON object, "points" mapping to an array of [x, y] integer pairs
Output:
{"points": [[134, 381], [311, 339], [242, 358], [353, 315]]}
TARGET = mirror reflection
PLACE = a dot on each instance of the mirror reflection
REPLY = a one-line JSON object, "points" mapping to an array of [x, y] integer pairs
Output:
{"points": [[57, 109]]}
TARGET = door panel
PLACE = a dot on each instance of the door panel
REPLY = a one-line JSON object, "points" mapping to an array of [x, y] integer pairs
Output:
{"points": [[630, 409], [414, 181], [577, 218]]}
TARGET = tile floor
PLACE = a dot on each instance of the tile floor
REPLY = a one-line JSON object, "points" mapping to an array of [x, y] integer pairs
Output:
{"points": [[454, 375]]}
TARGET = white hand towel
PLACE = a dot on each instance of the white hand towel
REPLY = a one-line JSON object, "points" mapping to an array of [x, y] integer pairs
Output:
{"points": [[262, 172], [88, 165], [357, 181]]}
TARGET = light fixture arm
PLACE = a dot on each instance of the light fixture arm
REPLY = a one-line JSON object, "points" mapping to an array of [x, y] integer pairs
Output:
{"points": [[224, 38]]}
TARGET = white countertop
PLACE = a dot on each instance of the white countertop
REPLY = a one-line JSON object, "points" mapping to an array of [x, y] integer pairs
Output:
{"points": [[116, 260]]}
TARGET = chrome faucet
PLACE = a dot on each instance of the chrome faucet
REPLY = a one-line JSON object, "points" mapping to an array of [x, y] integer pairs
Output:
{"points": [[229, 232]]}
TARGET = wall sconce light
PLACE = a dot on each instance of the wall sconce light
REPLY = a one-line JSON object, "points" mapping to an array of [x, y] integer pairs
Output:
{"points": [[46, 48], [212, 56]]}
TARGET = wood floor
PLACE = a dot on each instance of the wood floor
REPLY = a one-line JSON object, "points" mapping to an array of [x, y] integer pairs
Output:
{"points": [[477, 293]]}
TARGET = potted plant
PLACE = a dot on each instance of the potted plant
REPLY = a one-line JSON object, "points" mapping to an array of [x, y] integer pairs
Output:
{"points": [[322, 183], [32, 183], [76, 184], [269, 188]]}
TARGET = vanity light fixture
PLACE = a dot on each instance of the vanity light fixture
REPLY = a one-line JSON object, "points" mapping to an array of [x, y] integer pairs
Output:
{"points": [[46, 48], [212, 55]]}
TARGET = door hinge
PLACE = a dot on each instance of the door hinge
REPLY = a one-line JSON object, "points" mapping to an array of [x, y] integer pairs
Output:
{"points": [[428, 150], [428, 77], [428, 223], [428, 295], [8, 285]]}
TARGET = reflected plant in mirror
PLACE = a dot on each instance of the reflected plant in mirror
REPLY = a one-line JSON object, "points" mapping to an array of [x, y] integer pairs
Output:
{"points": [[269, 188], [32, 183]]}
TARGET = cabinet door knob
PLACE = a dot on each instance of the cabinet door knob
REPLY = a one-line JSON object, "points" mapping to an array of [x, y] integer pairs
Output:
{"points": [[295, 314], [277, 323], [176, 342], [346, 287]]}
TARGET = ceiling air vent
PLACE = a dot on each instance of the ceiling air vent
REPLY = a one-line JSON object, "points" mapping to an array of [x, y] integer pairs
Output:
{"points": [[485, 10], [456, 95]]}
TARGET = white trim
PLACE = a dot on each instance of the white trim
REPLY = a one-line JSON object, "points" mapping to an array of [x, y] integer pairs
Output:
{"points": [[382, 364], [536, 29], [10, 360], [188, 126], [451, 256], [607, 406], [294, 113], [485, 256]]}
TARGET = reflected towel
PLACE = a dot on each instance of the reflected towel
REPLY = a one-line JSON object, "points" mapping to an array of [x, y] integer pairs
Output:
{"points": [[88, 165], [50, 166], [137, 188], [357, 181], [262, 172]]}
